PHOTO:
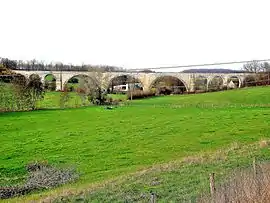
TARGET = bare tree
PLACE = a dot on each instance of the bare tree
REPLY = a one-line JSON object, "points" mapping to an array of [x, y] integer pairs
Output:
{"points": [[266, 67], [93, 87], [253, 67]]}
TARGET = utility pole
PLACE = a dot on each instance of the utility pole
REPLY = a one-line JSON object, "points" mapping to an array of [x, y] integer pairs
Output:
{"points": [[268, 76], [131, 92], [130, 87], [61, 81]]}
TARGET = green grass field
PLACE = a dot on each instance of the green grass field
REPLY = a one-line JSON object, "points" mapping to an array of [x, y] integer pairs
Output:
{"points": [[104, 144]]}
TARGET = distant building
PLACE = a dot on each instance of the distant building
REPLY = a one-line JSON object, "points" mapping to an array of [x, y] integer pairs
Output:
{"points": [[126, 87]]}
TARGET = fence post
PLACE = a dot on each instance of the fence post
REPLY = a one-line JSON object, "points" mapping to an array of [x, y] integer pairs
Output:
{"points": [[152, 198], [254, 167], [212, 186]]}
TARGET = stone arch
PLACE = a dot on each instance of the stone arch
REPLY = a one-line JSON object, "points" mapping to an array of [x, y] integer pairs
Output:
{"points": [[200, 83], [50, 75], [235, 80], [34, 75], [122, 83], [249, 80], [73, 83], [215, 83], [49, 82], [168, 84]]}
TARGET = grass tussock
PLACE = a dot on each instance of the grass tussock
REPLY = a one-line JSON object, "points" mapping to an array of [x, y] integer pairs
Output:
{"points": [[41, 176], [244, 186]]}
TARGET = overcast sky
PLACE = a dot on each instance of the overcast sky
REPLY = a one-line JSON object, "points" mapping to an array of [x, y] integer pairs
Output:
{"points": [[135, 34]]}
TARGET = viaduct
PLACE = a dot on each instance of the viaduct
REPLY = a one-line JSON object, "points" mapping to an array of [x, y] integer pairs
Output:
{"points": [[146, 79]]}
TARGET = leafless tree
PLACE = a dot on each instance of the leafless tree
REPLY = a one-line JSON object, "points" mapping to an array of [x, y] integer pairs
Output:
{"points": [[93, 87], [253, 67], [266, 67]]}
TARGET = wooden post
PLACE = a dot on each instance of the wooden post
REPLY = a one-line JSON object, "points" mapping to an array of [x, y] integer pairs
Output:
{"points": [[254, 167], [212, 185], [152, 198], [131, 92]]}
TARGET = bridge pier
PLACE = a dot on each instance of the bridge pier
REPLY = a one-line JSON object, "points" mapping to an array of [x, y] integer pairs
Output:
{"points": [[191, 87], [58, 85]]}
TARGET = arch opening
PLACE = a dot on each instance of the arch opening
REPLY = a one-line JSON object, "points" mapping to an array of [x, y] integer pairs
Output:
{"points": [[233, 82], [215, 84], [166, 85], [80, 84], [249, 81], [123, 84], [50, 82], [201, 83]]}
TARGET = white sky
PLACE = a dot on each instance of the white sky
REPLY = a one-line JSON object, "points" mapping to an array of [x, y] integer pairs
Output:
{"points": [[135, 34]]}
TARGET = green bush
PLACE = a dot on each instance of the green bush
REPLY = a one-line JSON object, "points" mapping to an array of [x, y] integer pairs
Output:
{"points": [[8, 98], [21, 94]]}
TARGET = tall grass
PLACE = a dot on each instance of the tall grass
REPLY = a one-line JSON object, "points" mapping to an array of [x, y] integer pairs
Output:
{"points": [[244, 186]]}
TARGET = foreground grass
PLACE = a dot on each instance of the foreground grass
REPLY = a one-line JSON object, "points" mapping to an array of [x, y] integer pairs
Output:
{"points": [[181, 180], [178, 181], [104, 144]]}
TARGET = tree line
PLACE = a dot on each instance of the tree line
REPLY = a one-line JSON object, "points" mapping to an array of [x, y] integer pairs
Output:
{"points": [[35, 65]]}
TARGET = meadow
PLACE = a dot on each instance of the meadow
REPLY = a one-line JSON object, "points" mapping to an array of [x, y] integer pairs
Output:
{"points": [[105, 144]]}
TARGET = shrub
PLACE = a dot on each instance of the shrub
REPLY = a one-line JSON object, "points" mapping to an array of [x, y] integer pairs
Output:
{"points": [[138, 94], [7, 97], [200, 91], [164, 91], [64, 98], [41, 176], [47, 176], [249, 81], [50, 85], [21, 94]]}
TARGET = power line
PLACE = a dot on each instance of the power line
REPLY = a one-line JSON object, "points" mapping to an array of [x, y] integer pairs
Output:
{"points": [[196, 65]]}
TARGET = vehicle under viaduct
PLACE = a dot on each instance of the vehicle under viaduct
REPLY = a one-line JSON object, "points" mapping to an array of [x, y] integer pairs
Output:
{"points": [[146, 79]]}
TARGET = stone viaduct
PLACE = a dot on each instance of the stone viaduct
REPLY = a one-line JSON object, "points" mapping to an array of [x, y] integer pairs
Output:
{"points": [[146, 79]]}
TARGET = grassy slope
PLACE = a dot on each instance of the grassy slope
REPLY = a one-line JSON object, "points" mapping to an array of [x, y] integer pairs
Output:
{"points": [[105, 143], [177, 181]]}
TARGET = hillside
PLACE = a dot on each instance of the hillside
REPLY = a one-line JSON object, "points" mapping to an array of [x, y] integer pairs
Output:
{"points": [[104, 144]]}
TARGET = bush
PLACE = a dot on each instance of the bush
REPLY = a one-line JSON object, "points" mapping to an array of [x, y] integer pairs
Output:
{"points": [[41, 176], [138, 94], [164, 91], [64, 98], [200, 91], [250, 81], [50, 85], [47, 177]]}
